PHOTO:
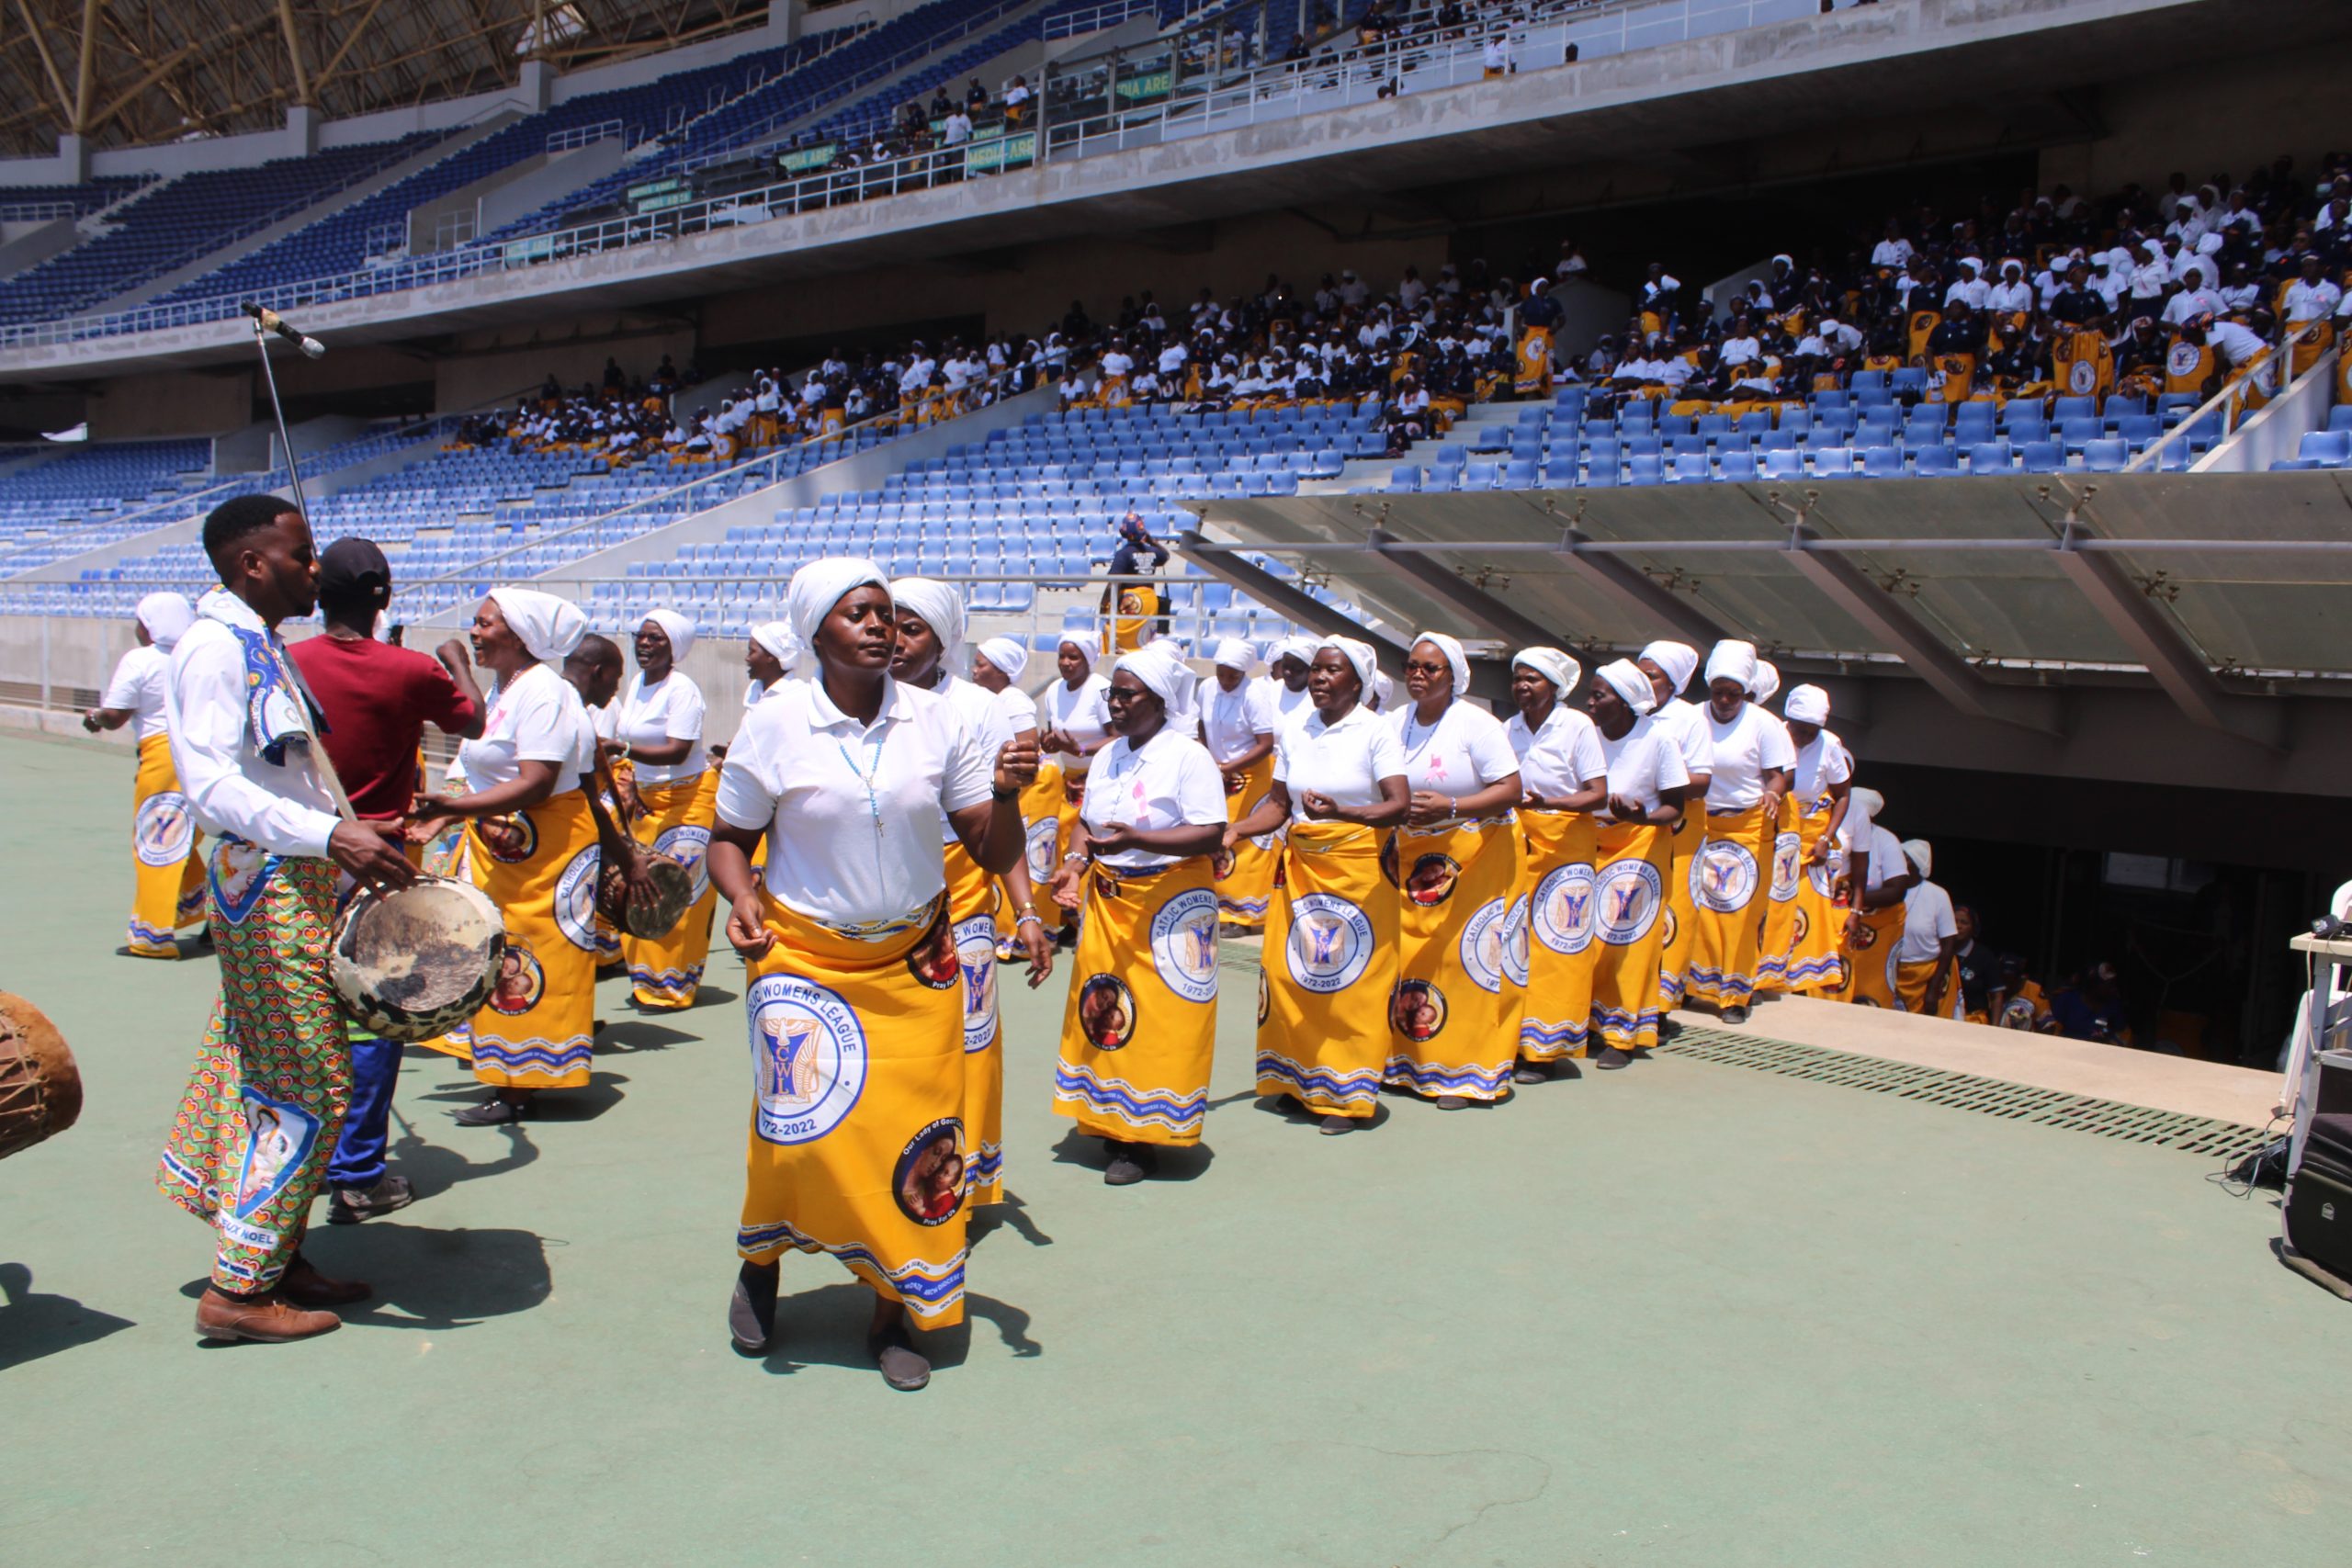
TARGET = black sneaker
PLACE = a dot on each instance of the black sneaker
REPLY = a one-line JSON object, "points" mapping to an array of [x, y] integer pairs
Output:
{"points": [[1130, 1163], [1609, 1058], [492, 1112], [1532, 1072], [352, 1204], [1735, 1016], [1335, 1124], [751, 1314]]}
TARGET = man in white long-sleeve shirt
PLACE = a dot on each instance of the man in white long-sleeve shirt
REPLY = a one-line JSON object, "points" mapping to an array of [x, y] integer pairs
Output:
{"points": [[258, 1122]]}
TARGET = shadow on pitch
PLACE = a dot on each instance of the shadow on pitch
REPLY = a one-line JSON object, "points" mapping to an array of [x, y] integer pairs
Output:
{"points": [[550, 1106], [34, 1323], [1086, 1150], [1010, 1213], [425, 1278], [635, 1034], [433, 1169], [827, 1327]]}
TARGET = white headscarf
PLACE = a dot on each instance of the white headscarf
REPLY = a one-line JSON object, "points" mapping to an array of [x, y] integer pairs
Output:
{"points": [[1235, 654], [1553, 665], [1089, 648], [677, 628], [1919, 852], [1869, 802], [1358, 654], [1626, 678], [1733, 662], [1678, 659], [1383, 695], [819, 586], [940, 607], [1302, 648], [1164, 672], [1455, 660], [777, 639], [550, 628], [166, 614], [1765, 685], [1806, 704], [1007, 654]]}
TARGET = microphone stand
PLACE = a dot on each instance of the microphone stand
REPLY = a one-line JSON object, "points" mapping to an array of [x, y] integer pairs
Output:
{"points": [[269, 375]]}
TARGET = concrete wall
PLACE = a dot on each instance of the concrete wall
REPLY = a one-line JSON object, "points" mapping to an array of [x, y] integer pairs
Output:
{"points": [[23, 244], [172, 402], [2229, 117], [2277, 430], [482, 367]]}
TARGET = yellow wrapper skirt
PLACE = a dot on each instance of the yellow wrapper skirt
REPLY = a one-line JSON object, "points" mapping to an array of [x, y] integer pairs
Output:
{"points": [[857, 1146], [1328, 965], [973, 905], [665, 972], [1453, 1017], [1870, 956], [1911, 990], [168, 889], [1781, 901], [1815, 965], [1041, 821], [1674, 941], [1729, 885], [1139, 1030], [1245, 880], [1631, 861], [540, 867], [1556, 933]]}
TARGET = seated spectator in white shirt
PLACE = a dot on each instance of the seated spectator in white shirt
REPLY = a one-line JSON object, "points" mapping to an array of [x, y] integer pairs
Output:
{"points": [[1891, 253]]}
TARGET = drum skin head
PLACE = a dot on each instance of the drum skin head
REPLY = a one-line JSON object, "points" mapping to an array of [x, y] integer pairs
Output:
{"points": [[672, 883], [417, 962]]}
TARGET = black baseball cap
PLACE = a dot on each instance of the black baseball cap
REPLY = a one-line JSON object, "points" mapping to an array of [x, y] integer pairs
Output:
{"points": [[352, 568]]}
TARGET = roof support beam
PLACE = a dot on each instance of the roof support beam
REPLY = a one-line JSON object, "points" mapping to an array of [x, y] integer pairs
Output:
{"points": [[85, 79], [1220, 562], [1954, 679], [1451, 589], [2158, 643], [33, 29], [1635, 591], [294, 52]]}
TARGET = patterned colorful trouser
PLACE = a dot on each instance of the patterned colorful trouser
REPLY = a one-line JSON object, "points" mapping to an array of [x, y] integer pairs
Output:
{"points": [[258, 1122]]}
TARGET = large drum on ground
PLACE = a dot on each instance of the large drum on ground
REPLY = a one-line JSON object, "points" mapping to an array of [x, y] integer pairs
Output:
{"points": [[648, 920], [40, 1090], [416, 962]]}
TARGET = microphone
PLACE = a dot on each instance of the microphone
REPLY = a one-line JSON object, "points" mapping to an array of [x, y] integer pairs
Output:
{"points": [[272, 322]]}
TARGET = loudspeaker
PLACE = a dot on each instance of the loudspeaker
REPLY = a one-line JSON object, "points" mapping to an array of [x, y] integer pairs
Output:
{"points": [[2316, 1220]]}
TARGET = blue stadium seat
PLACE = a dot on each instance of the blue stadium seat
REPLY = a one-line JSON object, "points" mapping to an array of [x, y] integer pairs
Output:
{"points": [[2105, 457]]}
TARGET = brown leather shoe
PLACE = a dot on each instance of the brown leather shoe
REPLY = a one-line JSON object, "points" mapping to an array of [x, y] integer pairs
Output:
{"points": [[306, 1287], [267, 1319]]}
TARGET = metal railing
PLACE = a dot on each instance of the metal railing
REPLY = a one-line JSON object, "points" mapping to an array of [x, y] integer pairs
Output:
{"points": [[37, 211], [1096, 18], [580, 136], [2227, 407], [1275, 92], [752, 137]]}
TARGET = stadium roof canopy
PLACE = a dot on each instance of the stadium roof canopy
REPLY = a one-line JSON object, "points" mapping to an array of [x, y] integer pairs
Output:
{"points": [[128, 73]]}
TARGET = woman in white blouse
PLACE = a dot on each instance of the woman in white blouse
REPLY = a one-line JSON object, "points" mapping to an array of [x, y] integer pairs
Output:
{"points": [[1548, 944], [1647, 783], [1749, 757], [532, 845], [168, 874], [1074, 722], [1139, 1030], [858, 1145], [1238, 725], [668, 793], [1331, 952], [1454, 1021]]}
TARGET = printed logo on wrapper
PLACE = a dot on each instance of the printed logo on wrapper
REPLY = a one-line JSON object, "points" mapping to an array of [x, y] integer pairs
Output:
{"points": [[1417, 1011], [164, 831], [521, 980], [278, 1138], [1818, 875], [1330, 943], [1787, 850], [510, 840], [1042, 837], [690, 847], [2181, 359], [1106, 1012], [976, 954], [1722, 877], [1432, 879], [928, 1181], [808, 1058], [1626, 898], [1515, 949], [1183, 944], [575, 900], [1563, 908], [1482, 945], [239, 874]]}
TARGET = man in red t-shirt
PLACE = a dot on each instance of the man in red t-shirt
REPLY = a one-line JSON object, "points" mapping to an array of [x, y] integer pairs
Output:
{"points": [[377, 700]]}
